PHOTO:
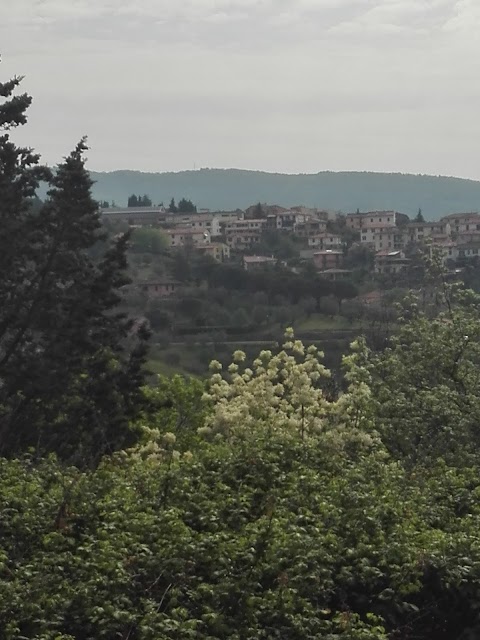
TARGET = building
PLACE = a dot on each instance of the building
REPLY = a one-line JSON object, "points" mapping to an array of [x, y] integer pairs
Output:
{"points": [[335, 274], [325, 241], [219, 251], [328, 259], [467, 251], [418, 232], [256, 262], [374, 220], [461, 223], [286, 220], [311, 228], [390, 262], [243, 234], [161, 288], [195, 221], [134, 216], [181, 237]]}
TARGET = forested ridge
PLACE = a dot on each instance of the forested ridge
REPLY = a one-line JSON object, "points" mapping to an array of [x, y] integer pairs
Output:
{"points": [[339, 191], [263, 502]]}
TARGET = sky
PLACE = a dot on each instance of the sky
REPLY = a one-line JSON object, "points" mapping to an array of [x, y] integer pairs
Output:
{"points": [[290, 86]]}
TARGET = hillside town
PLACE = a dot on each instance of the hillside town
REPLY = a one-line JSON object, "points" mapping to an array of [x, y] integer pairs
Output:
{"points": [[325, 239]]}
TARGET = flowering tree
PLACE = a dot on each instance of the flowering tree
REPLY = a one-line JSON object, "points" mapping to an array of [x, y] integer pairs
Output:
{"points": [[280, 392]]}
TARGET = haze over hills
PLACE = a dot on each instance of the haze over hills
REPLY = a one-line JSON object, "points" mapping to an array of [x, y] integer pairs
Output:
{"points": [[343, 191]]}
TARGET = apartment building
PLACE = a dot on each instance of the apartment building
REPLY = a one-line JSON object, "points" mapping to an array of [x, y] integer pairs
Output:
{"points": [[373, 220], [242, 234]]}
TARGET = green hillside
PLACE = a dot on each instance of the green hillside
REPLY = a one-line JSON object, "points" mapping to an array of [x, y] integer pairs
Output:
{"points": [[345, 191]]}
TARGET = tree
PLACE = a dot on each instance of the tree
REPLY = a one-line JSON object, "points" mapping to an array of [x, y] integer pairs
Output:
{"points": [[145, 240], [172, 208], [186, 206], [360, 256], [258, 211], [343, 290], [139, 201], [426, 383], [70, 364], [419, 217]]}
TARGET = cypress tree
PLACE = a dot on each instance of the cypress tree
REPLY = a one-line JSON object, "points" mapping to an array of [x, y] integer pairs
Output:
{"points": [[71, 365]]}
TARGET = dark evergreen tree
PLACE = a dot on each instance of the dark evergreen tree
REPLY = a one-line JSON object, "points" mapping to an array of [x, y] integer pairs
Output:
{"points": [[145, 201], [186, 206], [70, 364], [258, 211], [419, 217], [132, 201], [172, 206]]}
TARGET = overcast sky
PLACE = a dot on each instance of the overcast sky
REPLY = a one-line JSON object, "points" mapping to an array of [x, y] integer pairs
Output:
{"points": [[277, 85]]}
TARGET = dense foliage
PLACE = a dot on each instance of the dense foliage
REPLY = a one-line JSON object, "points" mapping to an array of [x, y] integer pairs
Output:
{"points": [[262, 508]]}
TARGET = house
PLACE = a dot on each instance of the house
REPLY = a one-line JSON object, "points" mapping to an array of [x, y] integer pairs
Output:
{"points": [[328, 259], [419, 231], [181, 237], [195, 221], [134, 216], [161, 288], [311, 228], [325, 241], [256, 262], [390, 262], [285, 220], [466, 251], [374, 219], [336, 274], [219, 251]]}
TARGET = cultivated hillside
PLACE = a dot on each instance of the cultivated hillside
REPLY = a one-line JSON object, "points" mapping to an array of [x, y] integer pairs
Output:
{"points": [[344, 191]]}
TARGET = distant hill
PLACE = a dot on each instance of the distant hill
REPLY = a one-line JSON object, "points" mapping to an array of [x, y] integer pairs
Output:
{"points": [[344, 191]]}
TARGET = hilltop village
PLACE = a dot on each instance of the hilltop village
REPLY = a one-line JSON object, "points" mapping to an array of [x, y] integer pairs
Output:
{"points": [[217, 277], [386, 242]]}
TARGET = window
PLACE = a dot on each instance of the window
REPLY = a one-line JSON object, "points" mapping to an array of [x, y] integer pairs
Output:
{"points": [[388, 219], [371, 219], [364, 238], [468, 227]]}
